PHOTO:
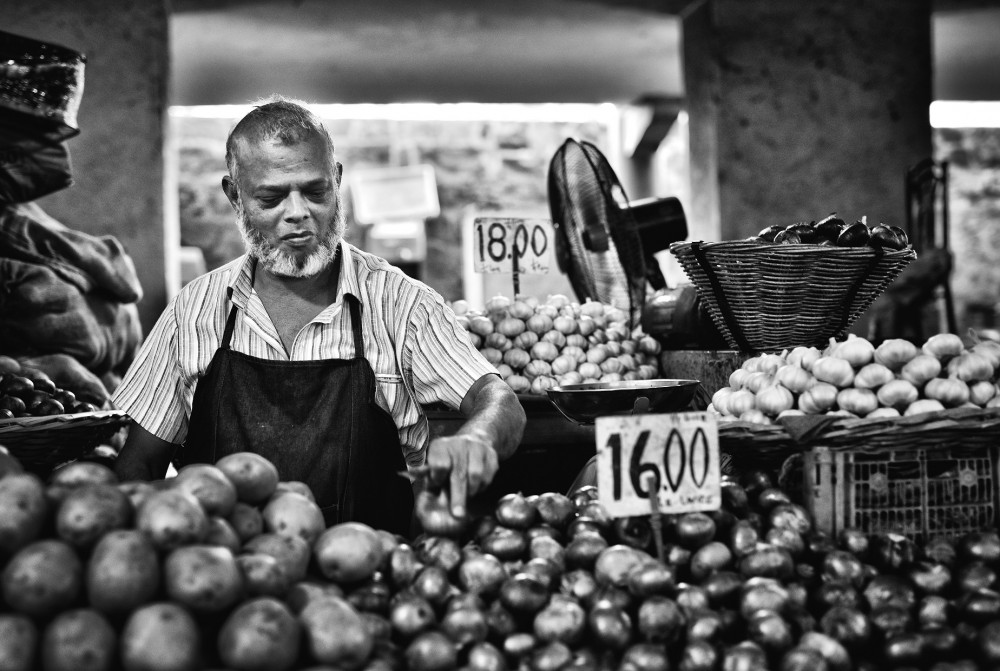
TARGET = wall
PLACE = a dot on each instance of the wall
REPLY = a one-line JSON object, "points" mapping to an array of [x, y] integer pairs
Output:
{"points": [[810, 107], [118, 157], [973, 156]]}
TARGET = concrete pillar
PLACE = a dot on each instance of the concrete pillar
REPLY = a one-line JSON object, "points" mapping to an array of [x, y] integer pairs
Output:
{"points": [[118, 157], [799, 108]]}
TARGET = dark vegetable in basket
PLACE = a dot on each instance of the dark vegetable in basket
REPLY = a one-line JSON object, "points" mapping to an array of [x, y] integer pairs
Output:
{"points": [[767, 234], [16, 385], [787, 237], [805, 231], [885, 237], [829, 228], [855, 235]]}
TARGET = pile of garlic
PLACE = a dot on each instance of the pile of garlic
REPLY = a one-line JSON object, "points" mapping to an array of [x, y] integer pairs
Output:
{"points": [[853, 378]]}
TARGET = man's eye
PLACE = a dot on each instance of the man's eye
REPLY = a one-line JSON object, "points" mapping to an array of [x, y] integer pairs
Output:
{"points": [[317, 195], [269, 201]]}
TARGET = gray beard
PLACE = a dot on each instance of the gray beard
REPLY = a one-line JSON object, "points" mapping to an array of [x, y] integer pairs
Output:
{"points": [[283, 264]]}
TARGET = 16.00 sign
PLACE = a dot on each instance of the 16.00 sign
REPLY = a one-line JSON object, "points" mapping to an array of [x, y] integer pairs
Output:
{"points": [[674, 457]]}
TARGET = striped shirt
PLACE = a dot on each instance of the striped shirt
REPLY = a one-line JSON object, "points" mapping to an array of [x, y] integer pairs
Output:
{"points": [[419, 353]]}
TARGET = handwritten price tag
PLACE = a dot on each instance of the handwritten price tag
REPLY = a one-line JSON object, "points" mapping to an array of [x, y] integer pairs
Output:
{"points": [[498, 242], [674, 457]]}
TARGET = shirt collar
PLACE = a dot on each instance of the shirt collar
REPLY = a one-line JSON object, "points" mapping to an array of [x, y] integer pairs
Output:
{"points": [[240, 284]]}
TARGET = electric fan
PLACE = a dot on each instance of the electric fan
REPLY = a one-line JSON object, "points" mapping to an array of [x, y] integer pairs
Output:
{"points": [[604, 243]]}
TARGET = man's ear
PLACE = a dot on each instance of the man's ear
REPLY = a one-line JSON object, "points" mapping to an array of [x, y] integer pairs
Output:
{"points": [[232, 193]]}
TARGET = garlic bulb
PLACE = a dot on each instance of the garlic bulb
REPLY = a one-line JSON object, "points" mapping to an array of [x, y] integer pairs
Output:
{"points": [[857, 401], [774, 399], [970, 367], [897, 394], [922, 406], [856, 351], [819, 398], [895, 353], [873, 376], [834, 370], [948, 390], [803, 357], [982, 392], [944, 346], [794, 378], [920, 369]]}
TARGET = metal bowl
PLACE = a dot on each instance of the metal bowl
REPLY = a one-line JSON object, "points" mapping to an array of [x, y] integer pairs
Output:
{"points": [[583, 403]]}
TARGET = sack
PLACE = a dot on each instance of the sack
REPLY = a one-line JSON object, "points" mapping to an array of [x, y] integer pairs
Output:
{"points": [[90, 263], [44, 314]]}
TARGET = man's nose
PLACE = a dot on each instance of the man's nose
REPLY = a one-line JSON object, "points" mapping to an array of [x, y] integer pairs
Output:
{"points": [[297, 208]]}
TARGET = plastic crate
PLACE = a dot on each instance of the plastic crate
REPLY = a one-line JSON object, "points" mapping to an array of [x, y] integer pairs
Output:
{"points": [[919, 492]]}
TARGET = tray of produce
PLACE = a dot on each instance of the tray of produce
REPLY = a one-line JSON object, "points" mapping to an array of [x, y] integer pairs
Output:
{"points": [[852, 393], [795, 285], [537, 344], [226, 566]]}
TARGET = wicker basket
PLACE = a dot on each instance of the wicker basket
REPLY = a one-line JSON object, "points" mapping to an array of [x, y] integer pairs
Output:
{"points": [[767, 297], [42, 443]]}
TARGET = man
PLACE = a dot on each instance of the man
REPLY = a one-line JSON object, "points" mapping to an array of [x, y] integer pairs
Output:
{"points": [[311, 352]]}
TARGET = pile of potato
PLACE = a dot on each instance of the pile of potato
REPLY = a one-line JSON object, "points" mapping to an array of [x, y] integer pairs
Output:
{"points": [[854, 378], [537, 345]]}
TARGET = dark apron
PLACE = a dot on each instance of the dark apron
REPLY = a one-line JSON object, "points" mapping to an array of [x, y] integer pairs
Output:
{"points": [[317, 421]]}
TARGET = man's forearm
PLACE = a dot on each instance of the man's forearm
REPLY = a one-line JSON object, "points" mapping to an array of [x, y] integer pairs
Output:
{"points": [[497, 416]]}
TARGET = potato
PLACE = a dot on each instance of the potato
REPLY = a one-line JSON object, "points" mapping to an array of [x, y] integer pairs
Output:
{"points": [[292, 514], [292, 551], [172, 518], [209, 485], [246, 520], [260, 635], [90, 511], [18, 638], [254, 477], [23, 507], [203, 577], [44, 578], [78, 640], [264, 575], [221, 533], [160, 637], [123, 572], [78, 473], [336, 634]]}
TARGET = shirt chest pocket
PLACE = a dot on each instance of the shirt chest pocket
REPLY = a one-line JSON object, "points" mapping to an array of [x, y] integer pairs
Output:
{"points": [[390, 391]]}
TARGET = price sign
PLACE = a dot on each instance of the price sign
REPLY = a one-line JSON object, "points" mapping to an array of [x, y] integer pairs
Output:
{"points": [[674, 457], [503, 245]]}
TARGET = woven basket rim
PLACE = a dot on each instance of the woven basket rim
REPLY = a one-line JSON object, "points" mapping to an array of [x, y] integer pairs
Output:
{"points": [[21, 425], [796, 249]]}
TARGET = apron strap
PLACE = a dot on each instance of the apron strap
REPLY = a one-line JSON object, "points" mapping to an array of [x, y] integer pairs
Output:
{"points": [[227, 335], [355, 307]]}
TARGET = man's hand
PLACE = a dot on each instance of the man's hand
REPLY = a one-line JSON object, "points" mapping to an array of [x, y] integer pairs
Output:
{"points": [[467, 463]]}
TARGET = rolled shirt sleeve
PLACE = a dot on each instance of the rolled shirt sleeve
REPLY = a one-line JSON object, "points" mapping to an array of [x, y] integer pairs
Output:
{"points": [[443, 362]]}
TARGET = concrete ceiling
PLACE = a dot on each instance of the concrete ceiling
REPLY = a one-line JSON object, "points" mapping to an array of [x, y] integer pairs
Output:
{"points": [[380, 51]]}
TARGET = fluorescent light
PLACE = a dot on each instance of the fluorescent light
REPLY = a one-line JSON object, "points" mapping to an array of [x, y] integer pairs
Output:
{"points": [[965, 114], [553, 112]]}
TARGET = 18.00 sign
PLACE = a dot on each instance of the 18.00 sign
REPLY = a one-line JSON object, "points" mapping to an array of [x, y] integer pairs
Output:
{"points": [[674, 457], [500, 242]]}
